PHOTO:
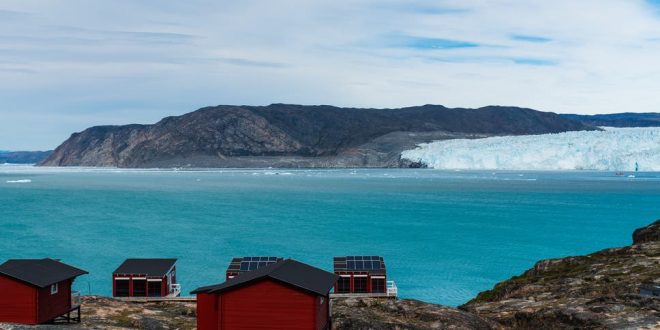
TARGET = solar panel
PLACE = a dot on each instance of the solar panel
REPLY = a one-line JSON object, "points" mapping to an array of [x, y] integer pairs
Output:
{"points": [[245, 264], [359, 263]]}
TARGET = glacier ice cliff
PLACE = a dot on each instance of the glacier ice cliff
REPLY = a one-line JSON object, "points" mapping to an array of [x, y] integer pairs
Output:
{"points": [[613, 149]]}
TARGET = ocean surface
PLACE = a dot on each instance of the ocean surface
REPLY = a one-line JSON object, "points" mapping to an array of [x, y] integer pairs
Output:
{"points": [[445, 235]]}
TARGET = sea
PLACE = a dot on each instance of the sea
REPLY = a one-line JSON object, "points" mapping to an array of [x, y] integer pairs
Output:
{"points": [[445, 235]]}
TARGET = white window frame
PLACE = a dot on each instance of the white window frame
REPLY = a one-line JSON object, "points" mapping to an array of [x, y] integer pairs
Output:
{"points": [[54, 288]]}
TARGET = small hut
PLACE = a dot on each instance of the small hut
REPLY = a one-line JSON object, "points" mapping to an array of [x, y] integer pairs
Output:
{"points": [[35, 291], [284, 295], [361, 275], [145, 278]]}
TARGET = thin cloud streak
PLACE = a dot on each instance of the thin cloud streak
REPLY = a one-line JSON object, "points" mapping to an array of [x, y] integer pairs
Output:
{"points": [[530, 38]]}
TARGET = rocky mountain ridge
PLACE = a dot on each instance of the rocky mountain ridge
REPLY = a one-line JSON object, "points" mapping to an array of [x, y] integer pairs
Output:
{"points": [[283, 135], [23, 157], [626, 119]]}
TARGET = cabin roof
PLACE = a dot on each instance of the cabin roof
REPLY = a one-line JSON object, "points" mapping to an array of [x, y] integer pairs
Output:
{"points": [[288, 271], [246, 264], [39, 272], [149, 267], [370, 264]]}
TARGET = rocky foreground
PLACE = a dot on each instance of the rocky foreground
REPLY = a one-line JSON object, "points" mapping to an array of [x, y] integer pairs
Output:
{"points": [[597, 291]]}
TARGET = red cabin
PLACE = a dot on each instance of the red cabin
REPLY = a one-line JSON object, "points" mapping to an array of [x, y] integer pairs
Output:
{"points": [[285, 295], [34, 291], [360, 274], [241, 265], [145, 278]]}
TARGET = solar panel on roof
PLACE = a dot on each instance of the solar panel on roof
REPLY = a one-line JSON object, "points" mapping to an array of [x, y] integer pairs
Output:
{"points": [[359, 263], [245, 264]]}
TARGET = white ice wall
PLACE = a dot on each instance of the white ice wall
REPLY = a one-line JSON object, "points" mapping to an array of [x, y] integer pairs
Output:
{"points": [[614, 149]]}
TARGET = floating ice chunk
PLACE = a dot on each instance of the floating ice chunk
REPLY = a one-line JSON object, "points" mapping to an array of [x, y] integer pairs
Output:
{"points": [[19, 181], [614, 149]]}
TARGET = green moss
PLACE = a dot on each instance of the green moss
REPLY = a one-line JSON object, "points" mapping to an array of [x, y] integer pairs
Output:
{"points": [[123, 319], [501, 289]]}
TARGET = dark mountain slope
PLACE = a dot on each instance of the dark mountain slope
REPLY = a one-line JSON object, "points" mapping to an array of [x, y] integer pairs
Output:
{"points": [[293, 136], [628, 119], [23, 157]]}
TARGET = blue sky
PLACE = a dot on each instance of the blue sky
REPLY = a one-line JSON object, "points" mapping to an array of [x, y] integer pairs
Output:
{"points": [[66, 65]]}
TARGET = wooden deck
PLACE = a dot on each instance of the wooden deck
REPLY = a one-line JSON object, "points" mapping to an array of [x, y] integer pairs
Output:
{"points": [[156, 299], [361, 295]]}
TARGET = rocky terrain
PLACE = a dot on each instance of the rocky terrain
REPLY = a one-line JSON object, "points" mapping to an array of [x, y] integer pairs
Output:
{"points": [[386, 314], [107, 313], [282, 135], [597, 291]]}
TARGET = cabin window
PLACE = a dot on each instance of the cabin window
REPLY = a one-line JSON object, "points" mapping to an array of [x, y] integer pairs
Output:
{"points": [[139, 288], [121, 288], [344, 285], [53, 288], [378, 285], [360, 284]]}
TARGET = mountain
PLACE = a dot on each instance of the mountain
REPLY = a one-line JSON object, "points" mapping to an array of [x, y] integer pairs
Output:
{"points": [[283, 135], [627, 119], [23, 157]]}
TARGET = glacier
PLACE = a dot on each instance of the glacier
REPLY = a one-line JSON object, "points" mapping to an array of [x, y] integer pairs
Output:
{"points": [[612, 149]]}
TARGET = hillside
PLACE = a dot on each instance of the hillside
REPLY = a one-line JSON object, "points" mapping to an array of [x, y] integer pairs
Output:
{"points": [[627, 119], [23, 157], [596, 291], [282, 135]]}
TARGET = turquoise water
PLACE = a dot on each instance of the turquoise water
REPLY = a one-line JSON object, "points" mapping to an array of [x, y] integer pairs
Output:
{"points": [[445, 236]]}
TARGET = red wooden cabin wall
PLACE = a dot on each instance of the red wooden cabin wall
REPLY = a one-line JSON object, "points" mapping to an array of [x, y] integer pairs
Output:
{"points": [[18, 301], [54, 305], [266, 304]]}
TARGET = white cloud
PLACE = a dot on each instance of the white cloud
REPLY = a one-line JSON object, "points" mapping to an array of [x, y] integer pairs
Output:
{"points": [[81, 63]]}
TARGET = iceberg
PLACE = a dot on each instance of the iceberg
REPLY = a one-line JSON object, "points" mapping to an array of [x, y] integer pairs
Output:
{"points": [[19, 181], [612, 149]]}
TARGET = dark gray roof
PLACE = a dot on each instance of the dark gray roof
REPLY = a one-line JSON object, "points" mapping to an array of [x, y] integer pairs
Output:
{"points": [[149, 267], [39, 272], [289, 271]]}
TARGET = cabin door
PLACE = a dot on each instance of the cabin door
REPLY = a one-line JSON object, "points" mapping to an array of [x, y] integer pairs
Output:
{"points": [[155, 288]]}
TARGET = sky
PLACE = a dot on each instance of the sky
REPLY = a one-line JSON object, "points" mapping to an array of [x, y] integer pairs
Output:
{"points": [[66, 65]]}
